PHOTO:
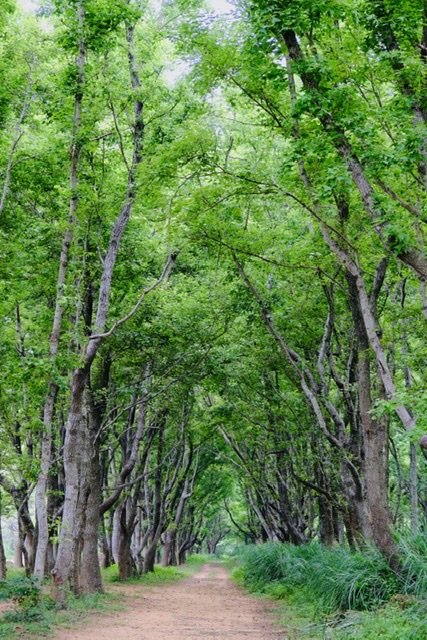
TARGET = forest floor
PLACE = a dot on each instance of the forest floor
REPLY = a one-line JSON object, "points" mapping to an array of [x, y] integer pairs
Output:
{"points": [[206, 606]]}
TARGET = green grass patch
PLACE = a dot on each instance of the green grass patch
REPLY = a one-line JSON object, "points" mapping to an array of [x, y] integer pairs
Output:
{"points": [[197, 559], [158, 576], [14, 572], [393, 621], [39, 621], [336, 593]]}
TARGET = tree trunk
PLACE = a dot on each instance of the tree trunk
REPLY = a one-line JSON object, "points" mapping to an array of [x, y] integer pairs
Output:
{"points": [[150, 556], [72, 445], [326, 522], [91, 580], [376, 471], [124, 555], [169, 549], [182, 557], [413, 488], [115, 535], [48, 410], [27, 537], [375, 432], [17, 557], [357, 508], [3, 568], [69, 526], [107, 557]]}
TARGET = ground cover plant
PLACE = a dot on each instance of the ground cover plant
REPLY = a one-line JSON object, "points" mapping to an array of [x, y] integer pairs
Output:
{"points": [[347, 593]]}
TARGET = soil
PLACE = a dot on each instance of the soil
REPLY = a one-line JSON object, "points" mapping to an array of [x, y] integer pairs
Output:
{"points": [[207, 606]]}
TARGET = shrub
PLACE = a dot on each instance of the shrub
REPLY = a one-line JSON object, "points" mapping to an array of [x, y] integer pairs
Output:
{"points": [[24, 591]]}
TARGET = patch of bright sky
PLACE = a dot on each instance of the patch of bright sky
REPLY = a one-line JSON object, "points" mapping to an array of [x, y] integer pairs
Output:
{"points": [[219, 7], [30, 6], [176, 69], [179, 68]]}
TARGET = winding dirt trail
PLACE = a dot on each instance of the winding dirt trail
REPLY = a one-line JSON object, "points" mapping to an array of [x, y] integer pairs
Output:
{"points": [[207, 606]]}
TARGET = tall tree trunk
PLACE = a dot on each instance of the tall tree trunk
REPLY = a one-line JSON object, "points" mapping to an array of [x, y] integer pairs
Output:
{"points": [[150, 555], [357, 508], [91, 580], [124, 555], [17, 556], [413, 488], [169, 549], [64, 564], [326, 521], [107, 558], [375, 434], [115, 534], [413, 458], [48, 410], [376, 471], [156, 526], [3, 568], [72, 444]]}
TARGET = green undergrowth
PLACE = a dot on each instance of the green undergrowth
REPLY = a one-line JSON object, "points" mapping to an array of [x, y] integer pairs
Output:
{"points": [[335, 593], [33, 614], [160, 574], [39, 621]]}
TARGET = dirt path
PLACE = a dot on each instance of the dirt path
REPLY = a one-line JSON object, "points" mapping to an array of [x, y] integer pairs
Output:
{"points": [[207, 606]]}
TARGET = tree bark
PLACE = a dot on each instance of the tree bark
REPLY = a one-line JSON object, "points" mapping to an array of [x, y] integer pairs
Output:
{"points": [[413, 488], [156, 526], [3, 568], [375, 436], [48, 410], [91, 580], [169, 547], [67, 541], [124, 555]]}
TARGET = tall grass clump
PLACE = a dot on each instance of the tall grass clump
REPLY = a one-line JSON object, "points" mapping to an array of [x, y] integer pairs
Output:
{"points": [[413, 551], [333, 579]]}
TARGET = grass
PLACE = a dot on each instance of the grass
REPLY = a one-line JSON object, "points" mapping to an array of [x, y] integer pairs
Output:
{"points": [[39, 621], [393, 621], [389, 622], [158, 576], [333, 579], [338, 594]]}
